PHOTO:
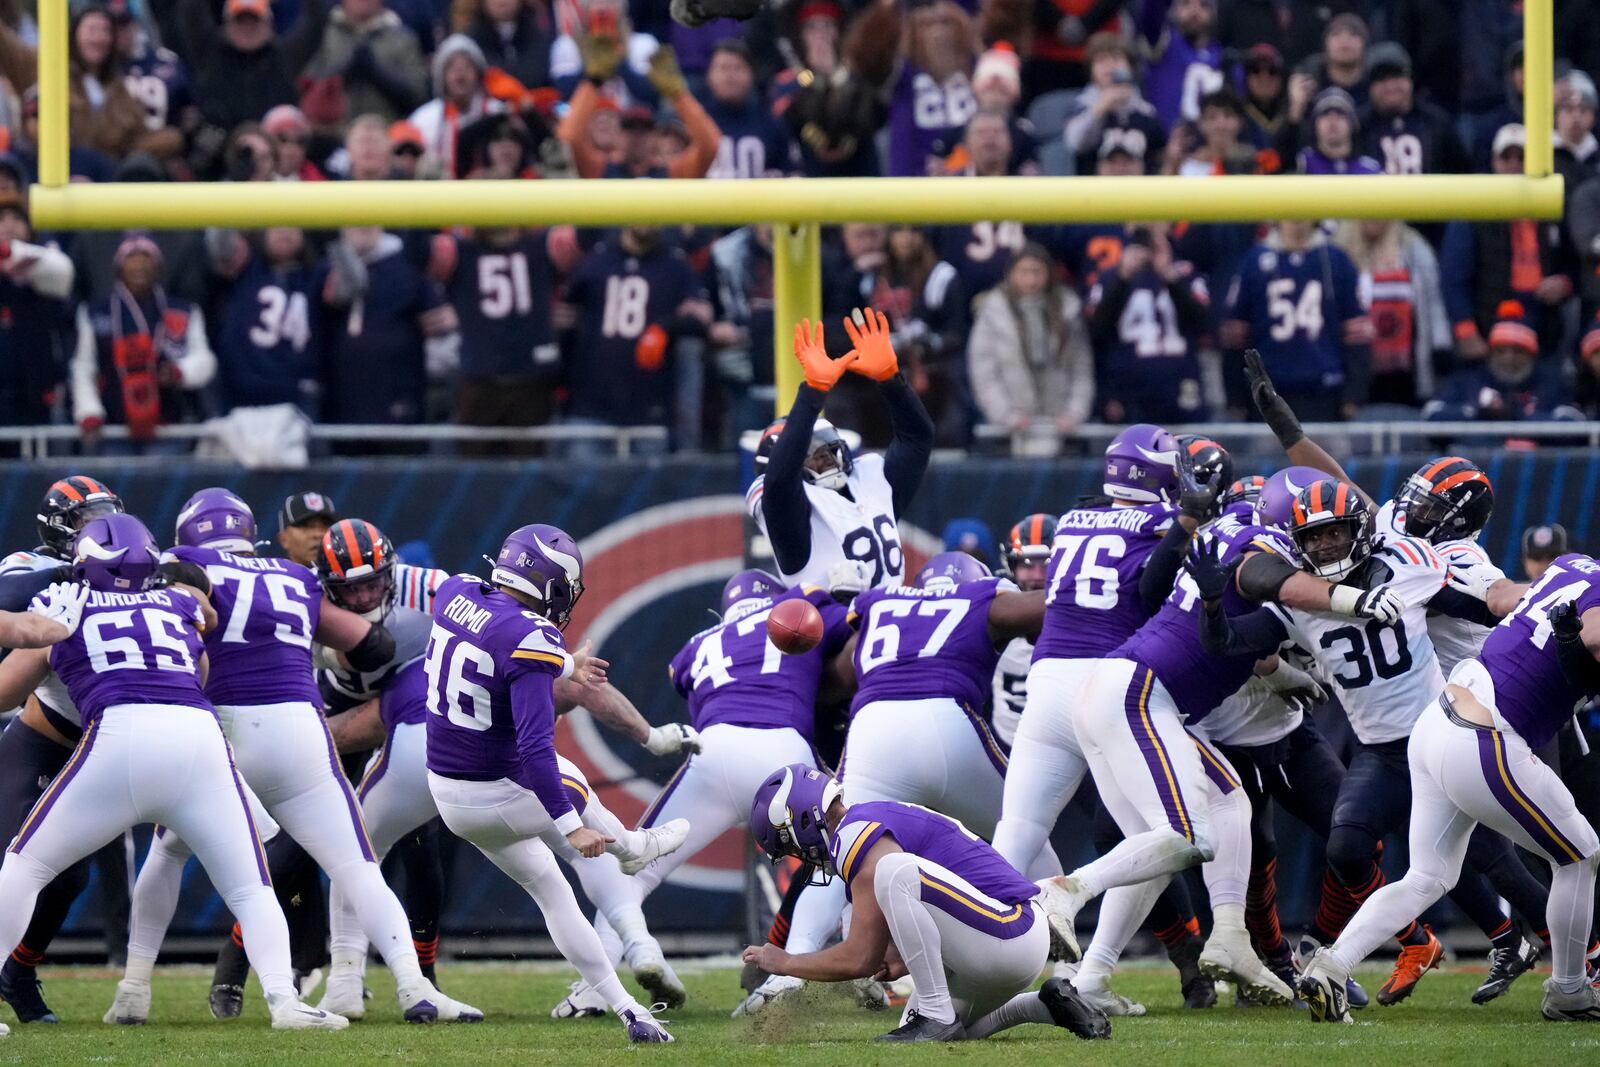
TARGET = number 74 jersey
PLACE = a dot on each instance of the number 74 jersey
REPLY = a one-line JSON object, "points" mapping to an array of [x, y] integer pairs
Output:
{"points": [[860, 527], [1386, 674]]}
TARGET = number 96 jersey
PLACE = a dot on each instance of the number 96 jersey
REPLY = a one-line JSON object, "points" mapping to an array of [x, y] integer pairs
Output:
{"points": [[860, 526], [1386, 674]]}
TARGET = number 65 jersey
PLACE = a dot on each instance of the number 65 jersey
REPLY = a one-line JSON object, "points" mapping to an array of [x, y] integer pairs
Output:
{"points": [[1386, 674], [858, 524]]}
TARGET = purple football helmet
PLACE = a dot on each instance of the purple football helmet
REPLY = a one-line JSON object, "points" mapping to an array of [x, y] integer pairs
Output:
{"points": [[1142, 465], [1276, 503], [542, 561], [216, 518], [789, 814], [115, 554], [952, 567], [746, 590]]}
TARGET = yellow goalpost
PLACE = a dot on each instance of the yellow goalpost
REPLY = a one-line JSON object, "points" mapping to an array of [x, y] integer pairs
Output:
{"points": [[795, 206]]}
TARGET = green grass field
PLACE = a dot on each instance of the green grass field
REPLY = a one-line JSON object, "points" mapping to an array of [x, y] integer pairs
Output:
{"points": [[1437, 1026]]}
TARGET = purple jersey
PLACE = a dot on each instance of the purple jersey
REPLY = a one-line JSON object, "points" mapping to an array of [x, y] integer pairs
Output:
{"points": [[941, 840], [730, 673], [1092, 601], [491, 669], [921, 643], [1530, 691], [926, 119], [267, 612], [1169, 644], [133, 648], [404, 699]]}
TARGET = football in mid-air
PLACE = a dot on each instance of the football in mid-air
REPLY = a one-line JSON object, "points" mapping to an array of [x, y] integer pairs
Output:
{"points": [[795, 626]]}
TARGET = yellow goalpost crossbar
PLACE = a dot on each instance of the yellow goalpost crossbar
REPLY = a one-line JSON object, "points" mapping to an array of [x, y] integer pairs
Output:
{"points": [[796, 206]]}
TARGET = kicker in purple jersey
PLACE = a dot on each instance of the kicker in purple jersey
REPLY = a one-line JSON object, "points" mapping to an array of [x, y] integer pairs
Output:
{"points": [[937, 839], [491, 667], [1530, 691], [133, 648], [404, 700], [1169, 644], [732, 674], [267, 611], [922, 643], [1092, 601]]}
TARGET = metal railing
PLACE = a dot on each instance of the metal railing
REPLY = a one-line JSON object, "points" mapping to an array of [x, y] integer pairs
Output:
{"points": [[1362, 438], [34, 441]]}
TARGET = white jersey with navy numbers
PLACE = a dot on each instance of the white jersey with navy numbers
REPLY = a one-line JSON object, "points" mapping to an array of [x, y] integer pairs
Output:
{"points": [[1453, 639], [1011, 688], [861, 526], [1385, 674], [51, 692], [414, 586]]}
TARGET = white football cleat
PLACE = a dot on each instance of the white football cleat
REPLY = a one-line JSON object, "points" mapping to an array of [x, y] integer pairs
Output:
{"points": [[1098, 992], [345, 995], [581, 1002], [1062, 898], [1228, 957], [4, 1030], [427, 1005], [296, 1015], [774, 988], [658, 841], [871, 994], [645, 1029], [131, 1005], [651, 970], [1580, 1007], [1321, 986]]}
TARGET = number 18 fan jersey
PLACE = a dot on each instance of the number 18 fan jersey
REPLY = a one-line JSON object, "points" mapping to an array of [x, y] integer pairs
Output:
{"points": [[1386, 674], [1092, 601], [731, 672], [859, 526], [267, 612], [917, 644]]}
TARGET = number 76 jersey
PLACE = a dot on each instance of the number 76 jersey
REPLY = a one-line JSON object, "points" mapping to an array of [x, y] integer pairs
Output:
{"points": [[1092, 602]]}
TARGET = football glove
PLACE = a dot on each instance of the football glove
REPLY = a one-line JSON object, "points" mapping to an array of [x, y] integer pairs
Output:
{"points": [[847, 578], [63, 603], [1205, 566], [821, 370], [1274, 408], [1296, 688], [869, 333], [672, 738], [1379, 603]]}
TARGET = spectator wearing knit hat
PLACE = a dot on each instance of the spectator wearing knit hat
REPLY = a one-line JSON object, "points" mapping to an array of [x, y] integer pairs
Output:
{"points": [[1334, 130], [376, 59], [142, 355], [458, 98], [1343, 60], [1512, 385], [1577, 152], [1405, 134], [1487, 263]]}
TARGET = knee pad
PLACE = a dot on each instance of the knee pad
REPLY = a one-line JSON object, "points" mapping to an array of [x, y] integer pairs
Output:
{"points": [[1351, 853], [1424, 886]]}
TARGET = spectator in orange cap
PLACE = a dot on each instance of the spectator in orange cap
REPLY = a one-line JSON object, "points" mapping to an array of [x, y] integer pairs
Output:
{"points": [[243, 69], [290, 133], [405, 150]]}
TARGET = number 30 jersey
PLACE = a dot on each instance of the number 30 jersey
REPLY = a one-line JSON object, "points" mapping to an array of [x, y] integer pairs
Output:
{"points": [[267, 611], [1386, 674], [731, 673], [860, 526], [1092, 601], [917, 644]]}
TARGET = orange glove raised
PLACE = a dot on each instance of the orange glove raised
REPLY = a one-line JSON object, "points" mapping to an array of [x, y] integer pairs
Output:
{"points": [[869, 333], [820, 369]]}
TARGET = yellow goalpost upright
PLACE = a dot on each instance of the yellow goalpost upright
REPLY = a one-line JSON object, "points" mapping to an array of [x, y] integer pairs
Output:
{"points": [[795, 206]]}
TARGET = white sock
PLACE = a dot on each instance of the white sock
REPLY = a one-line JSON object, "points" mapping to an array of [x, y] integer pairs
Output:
{"points": [[608, 938], [1389, 909], [1122, 912], [1569, 913], [155, 897], [266, 938], [574, 938], [139, 969], [616, 899], [1022, 1008], [1228, 918], [345, 936], [1228, 874], [387, 928]]}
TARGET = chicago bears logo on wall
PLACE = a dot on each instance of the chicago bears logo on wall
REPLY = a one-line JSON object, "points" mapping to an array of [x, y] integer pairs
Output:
{"points": [[651, 581]]}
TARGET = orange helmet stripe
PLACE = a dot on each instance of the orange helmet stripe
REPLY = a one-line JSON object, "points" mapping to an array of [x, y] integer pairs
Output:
{"points": [[377, 544], [1340, 497], [68, 490], [1460, 478], [331, 556], [1448, 461], [348, 529], [1037, 533], [1316, 496]]}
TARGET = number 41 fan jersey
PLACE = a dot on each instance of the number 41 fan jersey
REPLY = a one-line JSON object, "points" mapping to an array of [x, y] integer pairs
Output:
{"points": [[860, 526]]}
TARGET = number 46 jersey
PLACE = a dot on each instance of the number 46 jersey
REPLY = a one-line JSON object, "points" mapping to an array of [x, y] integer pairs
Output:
{"points": [[1386, 674], [859, 526]]}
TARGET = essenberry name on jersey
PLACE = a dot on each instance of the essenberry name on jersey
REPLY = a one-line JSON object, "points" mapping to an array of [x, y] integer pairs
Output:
{"points": [[1108, 518]]}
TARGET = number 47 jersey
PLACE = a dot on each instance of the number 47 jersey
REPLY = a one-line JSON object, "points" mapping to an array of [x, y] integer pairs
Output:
{"points": [[860, 526], [1386, 674]]}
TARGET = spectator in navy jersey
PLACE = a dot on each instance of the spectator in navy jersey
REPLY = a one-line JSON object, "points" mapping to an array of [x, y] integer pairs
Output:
{"points": [[754, 143]]}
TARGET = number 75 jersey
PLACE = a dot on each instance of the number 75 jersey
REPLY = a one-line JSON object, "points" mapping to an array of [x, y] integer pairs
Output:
{"points": [[1092, 602], [1386, 674], [860, 527]]}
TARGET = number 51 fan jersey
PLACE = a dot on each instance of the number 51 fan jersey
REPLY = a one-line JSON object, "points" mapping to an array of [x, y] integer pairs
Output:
{"points": [[860, 526]]}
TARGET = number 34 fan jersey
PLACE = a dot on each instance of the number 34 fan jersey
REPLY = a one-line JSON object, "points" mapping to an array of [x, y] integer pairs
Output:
{"points": [[860, 526]]}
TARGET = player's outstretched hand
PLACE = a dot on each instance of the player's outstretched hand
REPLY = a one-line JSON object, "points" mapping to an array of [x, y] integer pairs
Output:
{"points": [[1197, 498], [869, 333], [1300, 690], [821, 370], [62, 603], [847, 578], [1380, 603], [672, 738], [588, 669], [1566, 623], [1274, 408], [1473, 579], [589, 843], [1205, 566], [768, 957]]}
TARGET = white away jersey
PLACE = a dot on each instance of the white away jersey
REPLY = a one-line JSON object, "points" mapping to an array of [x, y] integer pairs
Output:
{"points": [[414, 586], [861, 526], [51, 692], [1385, 675], [1011, 688], [1255, 715], [1453, 639]]}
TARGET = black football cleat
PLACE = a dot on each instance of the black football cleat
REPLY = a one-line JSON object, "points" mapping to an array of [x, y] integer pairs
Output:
{"points": [[1506, 965], [20, 987], [1199, 992], [226, 1001], [1071, 1012], [918, 1027]]}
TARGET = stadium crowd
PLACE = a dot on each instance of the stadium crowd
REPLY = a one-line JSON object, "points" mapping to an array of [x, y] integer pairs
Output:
{"points": [[1036, 329]]}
